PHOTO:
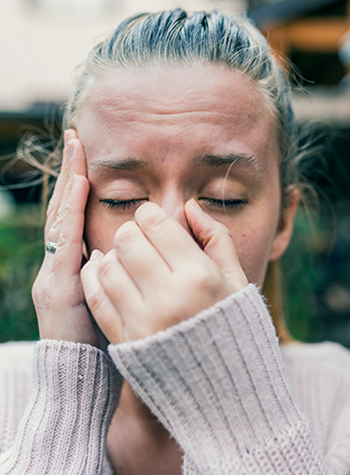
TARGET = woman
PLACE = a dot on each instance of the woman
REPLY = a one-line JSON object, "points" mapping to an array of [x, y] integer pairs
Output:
{"points": [[179, 179]]}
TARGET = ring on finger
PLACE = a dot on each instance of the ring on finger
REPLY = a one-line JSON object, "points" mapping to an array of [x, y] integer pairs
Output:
{"points": [[51, 247]]}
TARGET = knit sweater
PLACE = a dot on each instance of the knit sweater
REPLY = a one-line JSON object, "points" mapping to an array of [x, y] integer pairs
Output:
{"points": [[218, 382]]}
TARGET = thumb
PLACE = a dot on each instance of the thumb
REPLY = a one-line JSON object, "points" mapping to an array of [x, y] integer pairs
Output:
{"points": [[217, 243]]}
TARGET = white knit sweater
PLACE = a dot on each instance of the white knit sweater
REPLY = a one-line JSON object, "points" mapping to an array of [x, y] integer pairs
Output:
{"points": [[217, 382]]}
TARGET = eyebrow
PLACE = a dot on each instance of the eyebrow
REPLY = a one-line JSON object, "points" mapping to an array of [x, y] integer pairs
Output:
{"points": [[210, 161], [127, 164], [213, 161]]}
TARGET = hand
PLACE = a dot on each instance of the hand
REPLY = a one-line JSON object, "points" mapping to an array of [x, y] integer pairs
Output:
{"points": [[57, 291], [156, 275]]}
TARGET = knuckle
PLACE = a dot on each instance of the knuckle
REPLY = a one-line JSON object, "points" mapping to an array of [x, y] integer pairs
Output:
{"points": [[94, 300], [206, 281], [217, 236], [36, 291], [65, 239], [41, 281], [105, 266], [51, 207], [69, 210], [222, 229], [56, 226], [43, 293], [218, 232], [48, 232], [202, 276], [60, 214], [62, 242]]}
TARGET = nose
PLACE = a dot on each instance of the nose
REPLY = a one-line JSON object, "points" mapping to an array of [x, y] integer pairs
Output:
{"points": [[175, 205]]}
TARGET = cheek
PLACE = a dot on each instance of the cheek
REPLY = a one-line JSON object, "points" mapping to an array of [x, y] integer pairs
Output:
{"points": [[253, 236], [253, 248], [100, 228]]}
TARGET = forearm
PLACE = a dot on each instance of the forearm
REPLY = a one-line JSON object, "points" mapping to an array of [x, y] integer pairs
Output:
{"points": [[217, 382], [63, 431]]}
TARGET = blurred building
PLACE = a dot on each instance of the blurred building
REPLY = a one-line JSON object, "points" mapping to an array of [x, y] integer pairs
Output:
{"points": [[41, 41]]}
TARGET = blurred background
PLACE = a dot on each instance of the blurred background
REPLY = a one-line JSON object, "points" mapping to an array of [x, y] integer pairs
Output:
{"points": [[40, 43]]}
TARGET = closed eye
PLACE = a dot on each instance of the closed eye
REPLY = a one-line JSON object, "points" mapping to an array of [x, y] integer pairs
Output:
{"points": [[212, 202], [225, 204], [122, 204]]}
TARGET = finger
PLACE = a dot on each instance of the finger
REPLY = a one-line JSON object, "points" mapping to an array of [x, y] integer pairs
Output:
{"points": [[76, 166], [217, 243], [68, 135], [119, 286], [171, 240], [141, 260], [52, 233], [61, 183], [104, 312], [77, 162], [68, 256]]}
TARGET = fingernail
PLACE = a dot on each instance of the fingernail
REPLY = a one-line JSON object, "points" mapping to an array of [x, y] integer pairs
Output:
{"points": [[194, 203], [95, 253], [69, 134], [71, 148]]}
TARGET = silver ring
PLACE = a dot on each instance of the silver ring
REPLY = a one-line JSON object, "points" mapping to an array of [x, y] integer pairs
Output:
{"points": [[51, 247]]}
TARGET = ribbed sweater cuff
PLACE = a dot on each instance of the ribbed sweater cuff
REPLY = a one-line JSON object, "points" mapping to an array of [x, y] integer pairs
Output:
{"points": [[76, 391], [217, 383]]}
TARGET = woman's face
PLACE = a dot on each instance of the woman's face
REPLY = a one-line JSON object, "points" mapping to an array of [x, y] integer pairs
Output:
{"points": [[169, 135]]}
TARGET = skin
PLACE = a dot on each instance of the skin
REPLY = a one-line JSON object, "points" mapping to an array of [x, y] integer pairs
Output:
{"points": [[157, 153], [184, 116]]}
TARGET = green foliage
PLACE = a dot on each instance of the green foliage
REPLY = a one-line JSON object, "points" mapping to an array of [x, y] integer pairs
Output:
{"points": [[302, 272], [21, 252]]}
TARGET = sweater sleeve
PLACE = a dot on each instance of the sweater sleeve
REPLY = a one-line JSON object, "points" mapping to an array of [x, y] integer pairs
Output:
{"points": [[217, 382], [75, 393]]}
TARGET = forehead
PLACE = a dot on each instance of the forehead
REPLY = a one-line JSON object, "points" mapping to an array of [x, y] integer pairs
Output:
{"points": [[140, 111]]}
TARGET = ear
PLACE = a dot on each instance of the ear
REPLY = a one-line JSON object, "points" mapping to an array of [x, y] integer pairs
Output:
{"points": [[286, 224]]}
